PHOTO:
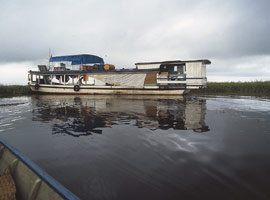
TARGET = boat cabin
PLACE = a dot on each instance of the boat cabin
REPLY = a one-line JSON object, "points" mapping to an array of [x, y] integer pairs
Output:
{"points": [[191, 73]]}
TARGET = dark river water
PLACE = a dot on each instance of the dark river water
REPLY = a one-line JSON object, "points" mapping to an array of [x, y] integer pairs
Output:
{"points": [[145, 147]]}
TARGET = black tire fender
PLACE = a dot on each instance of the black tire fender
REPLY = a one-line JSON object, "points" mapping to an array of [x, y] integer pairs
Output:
{"points": [[76, 88], [36, 86]]}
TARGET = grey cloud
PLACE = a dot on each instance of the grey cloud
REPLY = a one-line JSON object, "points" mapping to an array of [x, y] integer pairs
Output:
{"points": [[243, 31], [131, 31]]}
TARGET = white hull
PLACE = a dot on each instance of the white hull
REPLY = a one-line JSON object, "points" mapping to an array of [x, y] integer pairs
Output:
{"points": [[113, 90]]}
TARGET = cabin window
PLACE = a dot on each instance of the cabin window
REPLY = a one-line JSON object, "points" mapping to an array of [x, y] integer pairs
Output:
{"points": [[179, 69], [163, 68], [173, 69]]}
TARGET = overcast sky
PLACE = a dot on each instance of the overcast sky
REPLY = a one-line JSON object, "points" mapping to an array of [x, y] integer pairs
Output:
{"points": [[233, 34]]}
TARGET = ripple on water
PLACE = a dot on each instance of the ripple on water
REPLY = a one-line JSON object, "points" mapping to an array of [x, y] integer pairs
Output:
{"points": [[12, 110], [3, 125], [7, 129], [239, 104], [105, 147]]}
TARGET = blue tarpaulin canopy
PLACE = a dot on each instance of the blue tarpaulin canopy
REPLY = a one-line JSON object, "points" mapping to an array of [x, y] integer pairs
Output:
{"points": [[78, 59]]}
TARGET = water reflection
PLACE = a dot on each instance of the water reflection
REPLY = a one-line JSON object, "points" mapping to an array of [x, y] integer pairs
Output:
{"points": [[85, 115]]}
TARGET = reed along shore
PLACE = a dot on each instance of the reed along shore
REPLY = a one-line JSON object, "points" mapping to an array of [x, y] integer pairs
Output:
{"points": [[258, 88], [14, 90]]}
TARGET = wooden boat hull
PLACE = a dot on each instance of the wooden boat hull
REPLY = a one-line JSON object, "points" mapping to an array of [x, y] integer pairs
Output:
{"points": [[101, 90]]}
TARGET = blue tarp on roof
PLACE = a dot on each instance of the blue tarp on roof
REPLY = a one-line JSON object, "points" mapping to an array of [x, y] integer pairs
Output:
{"points": [[78, 59]]}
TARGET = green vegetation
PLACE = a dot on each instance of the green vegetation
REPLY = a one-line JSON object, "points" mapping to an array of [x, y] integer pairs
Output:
{"points": [[14, 90], [259, 88]]}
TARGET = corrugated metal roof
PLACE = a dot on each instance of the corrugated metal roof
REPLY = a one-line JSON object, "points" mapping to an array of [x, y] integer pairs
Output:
{"points": [[177, 62]]}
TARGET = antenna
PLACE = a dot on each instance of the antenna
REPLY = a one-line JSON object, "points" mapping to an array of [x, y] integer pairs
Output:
{"points": [[50, 55], [106, 57]]}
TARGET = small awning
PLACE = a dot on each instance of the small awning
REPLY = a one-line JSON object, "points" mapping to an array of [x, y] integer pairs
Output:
{"points": [[78, 59]]}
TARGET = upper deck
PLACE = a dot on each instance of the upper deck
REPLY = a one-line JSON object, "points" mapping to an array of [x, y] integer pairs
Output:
{"points": [[93, 72]]}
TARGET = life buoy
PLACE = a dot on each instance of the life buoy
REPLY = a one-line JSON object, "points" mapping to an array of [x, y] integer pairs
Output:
{"points": [[36, 86], [76, 88]]}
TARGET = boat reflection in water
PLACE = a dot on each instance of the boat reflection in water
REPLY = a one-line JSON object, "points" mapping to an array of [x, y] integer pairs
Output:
{"points": [[85, 115]]}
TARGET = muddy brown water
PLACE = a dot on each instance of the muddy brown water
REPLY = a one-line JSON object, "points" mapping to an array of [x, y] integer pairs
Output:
{"points": [[145, 147]]}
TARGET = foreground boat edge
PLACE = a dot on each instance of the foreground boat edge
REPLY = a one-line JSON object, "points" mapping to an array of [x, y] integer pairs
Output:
{"points": [[10, 157]]}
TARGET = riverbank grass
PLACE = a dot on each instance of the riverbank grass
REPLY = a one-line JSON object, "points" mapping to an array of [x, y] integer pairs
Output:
{"points": [[261, 88], [14, 90]]}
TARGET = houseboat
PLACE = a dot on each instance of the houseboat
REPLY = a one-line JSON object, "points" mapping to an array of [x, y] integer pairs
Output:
{"points": [[88, 74]]}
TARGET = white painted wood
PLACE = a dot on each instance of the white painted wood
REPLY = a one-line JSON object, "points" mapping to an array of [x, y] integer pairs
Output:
{"points": [[195, 74], [161, 81], [68, 89], [148, 66]]}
